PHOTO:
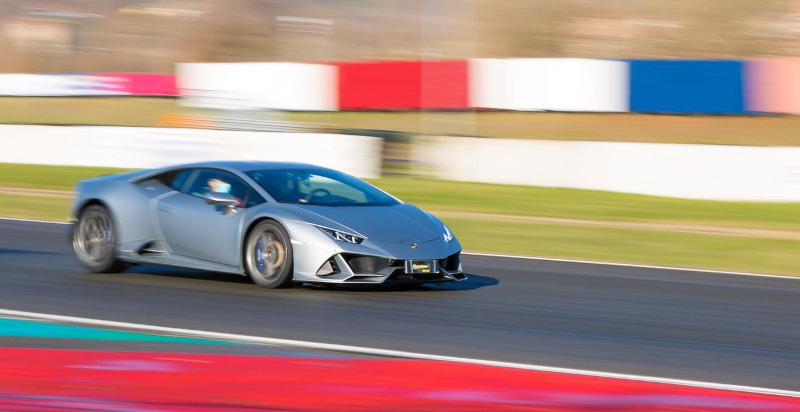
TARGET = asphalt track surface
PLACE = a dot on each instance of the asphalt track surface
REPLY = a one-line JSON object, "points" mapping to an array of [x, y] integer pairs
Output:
{"points": [[701, 326]]}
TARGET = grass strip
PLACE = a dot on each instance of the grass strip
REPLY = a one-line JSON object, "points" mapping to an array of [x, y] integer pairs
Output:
{"points": [[484, 198], [612, 127], [650, 247], [487, 234], [35, 207], [49, 177]]}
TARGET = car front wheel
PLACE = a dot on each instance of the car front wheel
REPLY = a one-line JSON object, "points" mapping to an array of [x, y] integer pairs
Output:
{"points": [[268, 256]]}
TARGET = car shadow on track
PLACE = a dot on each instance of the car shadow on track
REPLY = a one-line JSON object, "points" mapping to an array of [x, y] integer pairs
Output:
{"points": [[174, 273], [472, 282], [25, 252]]}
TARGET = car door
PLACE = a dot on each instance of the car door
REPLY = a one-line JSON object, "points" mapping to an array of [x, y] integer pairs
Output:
{"points": [[195, 229]]}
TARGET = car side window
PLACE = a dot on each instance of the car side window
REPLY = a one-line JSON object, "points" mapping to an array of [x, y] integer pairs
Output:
{"points": [[179, 180], [254, 199], [215, 180], [173, 179]]}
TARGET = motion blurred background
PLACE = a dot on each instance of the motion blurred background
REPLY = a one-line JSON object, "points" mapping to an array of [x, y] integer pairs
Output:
{"points": [[637, 131], [152, 36]]}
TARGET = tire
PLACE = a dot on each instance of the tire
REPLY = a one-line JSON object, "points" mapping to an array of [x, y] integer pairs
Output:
{"points": [[268, 257], [94, 241]]}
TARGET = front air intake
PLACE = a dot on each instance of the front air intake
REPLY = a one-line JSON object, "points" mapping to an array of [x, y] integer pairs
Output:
{"points": [[451, 263], [329, 268], [367, 264]]}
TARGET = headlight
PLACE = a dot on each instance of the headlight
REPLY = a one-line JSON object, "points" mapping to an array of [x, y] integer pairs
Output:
{"points": [[341, 236], [447, 235]]}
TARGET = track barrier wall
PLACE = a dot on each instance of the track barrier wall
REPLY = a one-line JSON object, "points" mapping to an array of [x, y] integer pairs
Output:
{"points": [[736, 87], [409, 85], [687, 86], [674, 170], [139, 147], [88, 84], [746, 173], [375, 85], [143, 84], [251, 86], [562, 85], [773, 85]]}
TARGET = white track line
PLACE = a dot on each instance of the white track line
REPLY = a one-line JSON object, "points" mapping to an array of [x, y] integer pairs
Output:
{"points": [[385, 352], [632, 265], [546, 259]]}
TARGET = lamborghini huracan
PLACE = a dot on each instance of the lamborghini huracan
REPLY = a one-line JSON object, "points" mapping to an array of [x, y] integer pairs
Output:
{"points": [[278, 223]]}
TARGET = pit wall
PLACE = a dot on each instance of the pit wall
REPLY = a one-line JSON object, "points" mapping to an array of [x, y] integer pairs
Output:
{"points": [[140, 147], [754, 86], [673, 170], [770, 174]]}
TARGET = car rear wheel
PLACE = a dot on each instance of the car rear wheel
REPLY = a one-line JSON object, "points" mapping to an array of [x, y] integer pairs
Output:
{"points": [[268, 257], [94, 241]]}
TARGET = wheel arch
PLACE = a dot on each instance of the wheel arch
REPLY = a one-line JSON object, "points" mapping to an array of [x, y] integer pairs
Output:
{"points": [[89, 202]]}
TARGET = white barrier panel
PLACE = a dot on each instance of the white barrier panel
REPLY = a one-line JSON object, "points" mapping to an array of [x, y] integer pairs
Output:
{"points": [[487, 83], [216, 85], [672, 170], [135, 147], [60, 85], [563, 85], [279, 86], [587, 85], [297, 86]]}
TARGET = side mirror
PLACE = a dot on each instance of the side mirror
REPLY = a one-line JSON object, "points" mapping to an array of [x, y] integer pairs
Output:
{"points": [[220, 199]]}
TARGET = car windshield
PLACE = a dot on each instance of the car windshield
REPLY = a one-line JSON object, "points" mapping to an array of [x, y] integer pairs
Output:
{"points": [[319, 187]]}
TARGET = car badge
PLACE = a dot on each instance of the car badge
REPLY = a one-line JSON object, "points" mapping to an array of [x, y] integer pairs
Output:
{"points": [[413, 246]]}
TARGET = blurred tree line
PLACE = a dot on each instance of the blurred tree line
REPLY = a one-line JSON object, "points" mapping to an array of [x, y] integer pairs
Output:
{"points": [[151, 36]]}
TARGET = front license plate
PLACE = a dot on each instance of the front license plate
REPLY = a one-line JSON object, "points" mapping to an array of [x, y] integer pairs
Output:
{"points": [[421, 266]]}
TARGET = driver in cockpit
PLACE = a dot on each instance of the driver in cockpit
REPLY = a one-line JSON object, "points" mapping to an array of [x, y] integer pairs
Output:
{"points": [[220, 186]]}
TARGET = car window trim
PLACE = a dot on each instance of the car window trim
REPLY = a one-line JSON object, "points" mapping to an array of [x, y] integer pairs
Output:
{"points": [[188, 179]]}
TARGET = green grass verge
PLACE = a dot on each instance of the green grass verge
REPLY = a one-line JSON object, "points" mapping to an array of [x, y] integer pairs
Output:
{"points": [[588, 205], [651, 247], [625, 127], [441, 195], [620, 244], [49, 177], [35, 207]]}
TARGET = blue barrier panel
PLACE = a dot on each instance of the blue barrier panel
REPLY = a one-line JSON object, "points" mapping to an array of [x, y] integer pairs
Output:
{"points": [[687, 86]]}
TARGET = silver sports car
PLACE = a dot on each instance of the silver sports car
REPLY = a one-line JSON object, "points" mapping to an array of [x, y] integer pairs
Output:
{"points": [[275, 222]]}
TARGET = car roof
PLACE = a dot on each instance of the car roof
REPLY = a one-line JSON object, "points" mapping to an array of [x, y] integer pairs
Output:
{"points": [[246, 166]]}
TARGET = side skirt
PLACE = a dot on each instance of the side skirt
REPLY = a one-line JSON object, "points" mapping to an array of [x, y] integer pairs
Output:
{"points": [[179, 261]]}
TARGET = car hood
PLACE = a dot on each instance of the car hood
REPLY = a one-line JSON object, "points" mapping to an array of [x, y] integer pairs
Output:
{"points": [[396, 223]]}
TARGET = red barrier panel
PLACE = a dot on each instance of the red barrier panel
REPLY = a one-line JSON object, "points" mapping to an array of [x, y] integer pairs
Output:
{"points": [[772, 85], [403, 85], [445, 84], [142, 84], [49, 380]]}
